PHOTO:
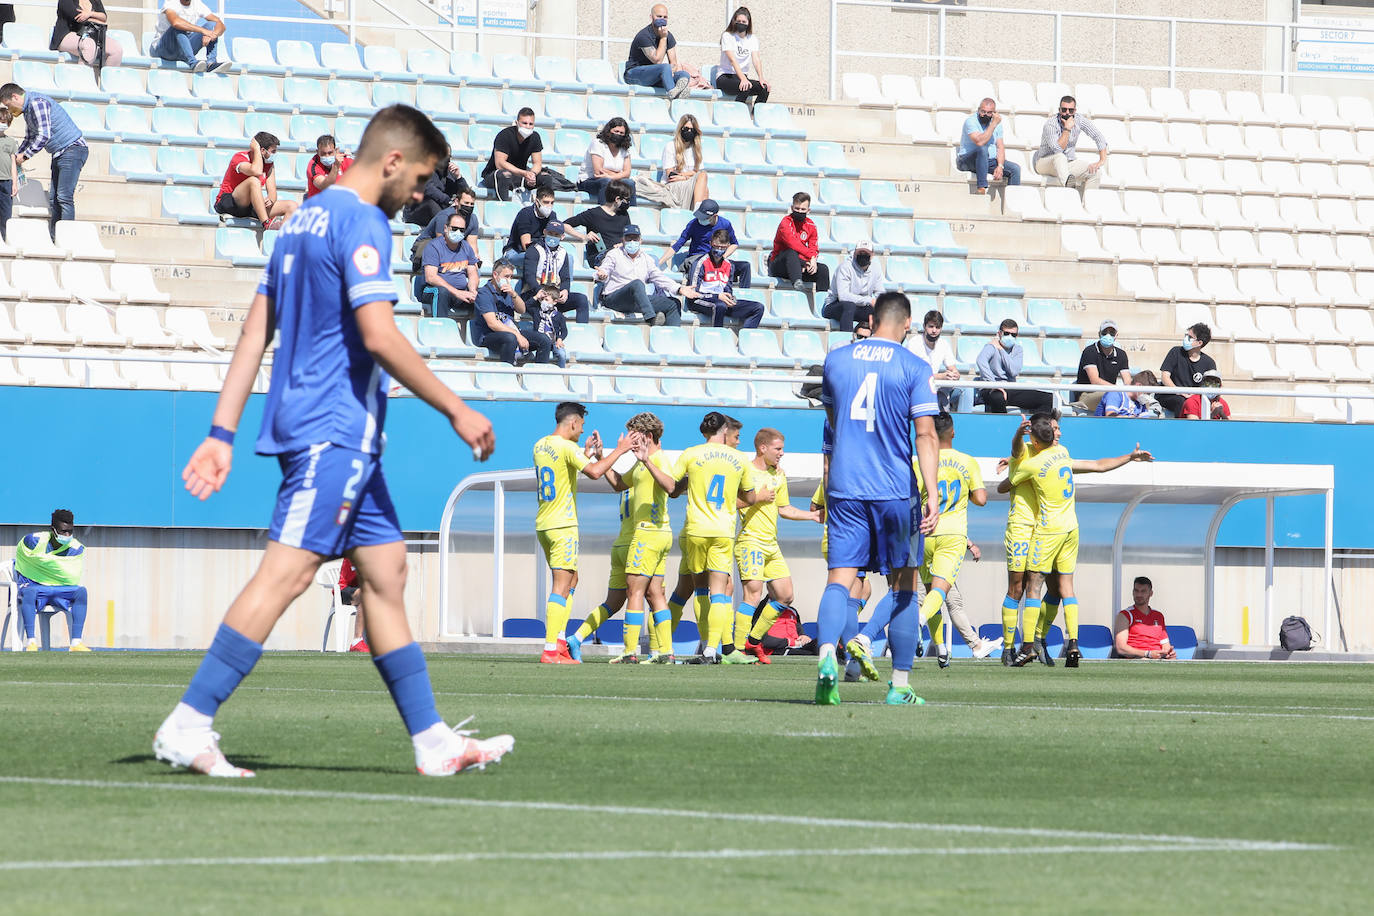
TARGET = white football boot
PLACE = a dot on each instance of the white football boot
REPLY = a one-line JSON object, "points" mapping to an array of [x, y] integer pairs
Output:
{"points": [[197, 750], [462, 753]]}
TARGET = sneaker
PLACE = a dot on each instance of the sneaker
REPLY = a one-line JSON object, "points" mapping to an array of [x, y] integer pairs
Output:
{"points": [[219, 66], [78, 647], [199, 66], [1025, 656], [572, 648], [625, 658], [704, 660], [360, 646], [758, 651], [1043, 648], [942, 657], [463, 753], [737, 658], [986, 647], [197, 751], [852, 672], [31, 646], [274, 223], [554, 657], [663, 658], [859, 652], [902, 696], [799, 285], [1008, 656], [679, 90], [1071, 654], [827, 691]]}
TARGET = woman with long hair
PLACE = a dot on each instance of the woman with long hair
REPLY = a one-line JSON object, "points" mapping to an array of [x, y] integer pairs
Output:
{"points": [[740, 71], [607, 160], [683, 182]]}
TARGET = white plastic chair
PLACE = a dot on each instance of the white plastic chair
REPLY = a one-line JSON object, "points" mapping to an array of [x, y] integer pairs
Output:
{"points": [[1209, 104], [1321, 109], [918, 125], [86, 280], [1317, 325], [1123, 242], [1321, 410], [1135, 102], [1300, 213], [1246, 108], [1278, 248], [1095, 100], [1167, 174], [31, 239], [1339, 216], [1357, 180], [1101, 205], [1243, 175], [1025, 200], [1282, 178], [191, 325], [1338, 289], [1266, 143], [1218, 285], [82, 240], [1339, 146], [1162, 244], [1296, 361], [147, 376], [1355, 251], [1238, 245], [1128, 172], [1082, 242], [1355, 324], [35, 280], [1223, 211], [139, 323], [1284, 109], [1262, 212], [1187, 314], [1185, 210], [1172, 104], [135, 283], [1338, 361], [328, 578], [1018, 97], [1301, 144], [1319, 178], [91, 325], [1256, 284], [44, 373], [1190, 140], [41, 323], [1276, 321], [862, 88], [1145, 207], [1180, 283], [1139, 281], [1256, 359], [1238, 323], [1153, 137], [11, 611], [1202, 245]]}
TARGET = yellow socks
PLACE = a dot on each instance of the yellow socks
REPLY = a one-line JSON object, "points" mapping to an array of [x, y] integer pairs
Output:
{"points": [[661, 635], [1070, 618], [930, 613], [634, 622], [768, 615], [744, 621], [1010, 608], [555, 620], [594, 620]]}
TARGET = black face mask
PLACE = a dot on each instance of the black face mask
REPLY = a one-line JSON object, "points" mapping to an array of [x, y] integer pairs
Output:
{"points": [[933, 337], [621, 206], [741, 27], [618, 139], [985, 120], [863, 260], [799, 218], [689, 134], [466, 211]]}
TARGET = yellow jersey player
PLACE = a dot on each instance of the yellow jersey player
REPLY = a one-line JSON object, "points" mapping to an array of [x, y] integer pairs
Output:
{"points": [[757, 553], [1020, 530], [557, 462], [713, 475]]}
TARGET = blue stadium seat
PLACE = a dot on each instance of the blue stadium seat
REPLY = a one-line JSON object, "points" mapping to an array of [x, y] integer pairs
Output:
{"points": [[384, 94], [602, 76], [777, 121], [305, 129], [951, 275], [135, 162], [126, 86], [480, 137], [647, 219], [298, 57], [77, 82], [628, 342], [922, 305], [650, 113], [350, 97], [30, 40], [674, 346], [992, 275], [238, 246], [935, 236], [348, 132], [169, 87], [761, 349], [718, 346], [1049, 316], [441, 337], [514, 71], [181, 166], [269, 241], [895, 236], [680, 108], [637, 389], [804, 347], [570, 146], [405, 301], [482, 104], [967, 350], [759, 227], [1094, 640], [180, 126], [557, 73], [38, 77], [829, 158], [651, 148], [910, 274], [512, 100], [881, 196], [1062, 354], [432, 66], [734, 119], [839, 196], [1031, 361], [789, 156], [845, 231], [216, 163], [681, 389], [756, 190], [1184, 640], [999, 308], [792, 308], [964, 313], [728, 390], [386, 63], [438, 102], [343, 61], [473, 69], [601, 108], [523, 628], [584, 344], [262, 93], [90, 119], [255, 122], [502, 385], [214, 90], [254, 55], [307, 96], [568, 110], [406, 325]]}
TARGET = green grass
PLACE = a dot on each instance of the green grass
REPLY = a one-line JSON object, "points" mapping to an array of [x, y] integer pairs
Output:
{"points": [[1247, 760]]}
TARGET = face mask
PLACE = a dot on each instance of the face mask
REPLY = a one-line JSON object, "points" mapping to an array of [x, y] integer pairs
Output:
{"points": [[1107, 341], [741, 27], [621, 206], [466, 211], [524, 132], [985, 120], [63, 539], [717, 254], [688, 134], [632, 247], [1187, 343], [544, 212], [799, 218], [327, 161], [266, 157], [454, 235], [706, 220], [617, 139], [932, 337], [863, 259], [553, 241], [1008, 340]]}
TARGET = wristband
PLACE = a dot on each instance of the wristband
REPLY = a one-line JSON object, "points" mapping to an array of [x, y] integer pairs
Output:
{"points": [[222, 434]]}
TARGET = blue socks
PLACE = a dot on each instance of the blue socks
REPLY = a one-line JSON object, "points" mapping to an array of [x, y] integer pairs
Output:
{"points": [[227, 662], [882, 614], [830, 617], [407, 678], [903, 629]]}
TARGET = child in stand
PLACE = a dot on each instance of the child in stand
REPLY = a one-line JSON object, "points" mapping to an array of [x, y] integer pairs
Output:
{"points": [[550, 321]]}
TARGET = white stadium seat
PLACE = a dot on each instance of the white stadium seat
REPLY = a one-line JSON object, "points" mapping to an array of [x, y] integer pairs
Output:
{"points": [[1161, 243], [1285, 110], [139, 323], [1026, 201], [1065, 204], [902, 90], [1356, 251], [1340, 216], [1300, 214], [41, 323], [1139, 281], [918, 125], [1145, 207], [31, 239], [1257, 286], [1355, 324], [1202, 245], [1238, 323], [1125, 244], [1262, 212], [1257, 359], [1167, 174], [1018, 97], [1082, 242], [1218, 285], [82, 240], [1297, 285], [85, 280], [1321, 110], [192, 326], [1180, 283], [135, 283], [1317, 325], [1127, 172], [1339, 363], [862, 88], [35, 280], [1278, 248], [1223, 210], [1135, 102], [1103, 205], [91, 326], [1276, 321], [1337, 287], [1239, 246], [1247, 108], [1296, 360], [1185, 210], [1171, 104], [1187, 314], [1319, 179], [1244, 176], [46, 373], [1095, 101], [147, 375]]}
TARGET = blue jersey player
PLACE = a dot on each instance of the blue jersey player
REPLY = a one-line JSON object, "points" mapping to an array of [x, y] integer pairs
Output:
{"points": [[872, 391], [328, 290]]}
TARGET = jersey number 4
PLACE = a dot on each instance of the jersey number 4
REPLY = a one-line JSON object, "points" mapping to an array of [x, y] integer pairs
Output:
{"points": [[715, 493], [863, 408]]}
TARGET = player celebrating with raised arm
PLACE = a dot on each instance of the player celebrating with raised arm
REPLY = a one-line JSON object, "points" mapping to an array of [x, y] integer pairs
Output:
{"points": [[328, 289], [757, 553], [713, 475], [873, 390], [650, 540], [557, 462]]}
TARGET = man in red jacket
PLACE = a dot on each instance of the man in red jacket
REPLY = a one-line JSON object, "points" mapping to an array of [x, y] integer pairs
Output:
{"points": [[350, 594], [797, 248]]}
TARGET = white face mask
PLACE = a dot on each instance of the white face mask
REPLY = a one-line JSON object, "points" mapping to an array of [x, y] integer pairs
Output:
{"points": [[524, 132], [1008, 340], [543, 212], [326, 161], [63, 539], [454, 235], [266, 157]]}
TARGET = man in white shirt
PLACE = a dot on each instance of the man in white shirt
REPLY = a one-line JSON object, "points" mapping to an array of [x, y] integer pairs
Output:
{"points": [[627, 273], [1057, 156], [936, 351], [184, 27]]}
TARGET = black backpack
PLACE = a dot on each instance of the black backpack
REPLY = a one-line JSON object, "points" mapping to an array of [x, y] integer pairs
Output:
{"points": [[1295, 635]]}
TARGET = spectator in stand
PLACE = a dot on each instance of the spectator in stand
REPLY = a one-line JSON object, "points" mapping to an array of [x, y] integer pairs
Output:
{"points": [[464, 203], [628, 273], [1185, 366], [528, 226], [50, 128], [796, 248], [548, 265], [710, 277], [653, 57], [184, 28], [605, 225], [1140, 629], [351, 595], [1058, 153], [80, 30], [607, 159], [517, 157], [249, 188], [740, 73], [1218, 409], [1000, 361], [9, 169], [682, 182], [1130, 403], [1102, 363], [450, 265], [697, 235], [494, 326], [936, 351], [980, 146], [857, 286], [442, 188], [550, 322], [325, 167]]}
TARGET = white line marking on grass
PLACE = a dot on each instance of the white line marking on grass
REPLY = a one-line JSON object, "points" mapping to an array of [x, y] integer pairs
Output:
{"points": [[813, 734], [611, 855], [737, 817]]}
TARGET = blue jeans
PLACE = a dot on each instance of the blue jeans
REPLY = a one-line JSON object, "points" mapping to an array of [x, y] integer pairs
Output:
{"points": [[746, 311], [446, 305], [980, 164], [633, 297], [956, 400], [6, 205], [66, 172], [503, 346], [659, 75], [177, 46]]}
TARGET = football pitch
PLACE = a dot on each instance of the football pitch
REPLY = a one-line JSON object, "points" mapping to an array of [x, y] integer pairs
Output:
{"points": [[1123, 787]]}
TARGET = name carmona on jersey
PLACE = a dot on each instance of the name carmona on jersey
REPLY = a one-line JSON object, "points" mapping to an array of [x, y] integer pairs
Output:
{"points": [[544, 449], [720, 454], [873, 354]]}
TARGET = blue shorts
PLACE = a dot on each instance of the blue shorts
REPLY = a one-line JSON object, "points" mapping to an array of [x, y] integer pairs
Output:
{"points": [[876, 535], [331, 500]]}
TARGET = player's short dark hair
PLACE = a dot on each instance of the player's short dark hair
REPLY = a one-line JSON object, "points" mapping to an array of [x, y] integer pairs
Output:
{"points": [[619, 187], [891, 306], [801, 197], [933, 317], [944, 422], [325, 140], [1042, 427], [720, 237], [1145, 581], [1008, 324], [10, 90], [765, 436], [404, 128], [732, 423], [266, 140], [526, 112], [1201, 333], [60, 516], [568, 409]]}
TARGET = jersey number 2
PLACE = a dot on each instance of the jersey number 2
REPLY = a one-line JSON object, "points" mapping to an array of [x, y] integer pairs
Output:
{"points": [[862, 407], [715, 493], [546, 491]]}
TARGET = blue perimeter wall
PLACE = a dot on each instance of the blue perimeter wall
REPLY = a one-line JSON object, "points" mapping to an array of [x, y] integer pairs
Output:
{"points": [[115, 458]]}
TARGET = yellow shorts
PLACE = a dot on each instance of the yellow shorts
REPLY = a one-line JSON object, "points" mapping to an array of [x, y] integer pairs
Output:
{"points": [[646, 555], [1054, 551], [701, 554], [1018, 541], [944, 557], [617, 578], [560, 547], [760, 562]]}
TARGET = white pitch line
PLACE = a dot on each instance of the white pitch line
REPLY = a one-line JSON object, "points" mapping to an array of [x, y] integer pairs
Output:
{"points": [[443, 858], [732, 816], [1176, 710]]}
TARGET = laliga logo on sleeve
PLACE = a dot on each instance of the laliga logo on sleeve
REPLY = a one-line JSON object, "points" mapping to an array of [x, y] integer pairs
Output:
{"points": [[367, 260]]}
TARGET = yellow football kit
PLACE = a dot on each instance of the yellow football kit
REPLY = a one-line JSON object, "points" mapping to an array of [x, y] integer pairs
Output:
{"points": [[650, 534], [557, 462], [957, 476], [756, 547], [1020, 520], [1054, 546], [818, 500], [716, 475]]}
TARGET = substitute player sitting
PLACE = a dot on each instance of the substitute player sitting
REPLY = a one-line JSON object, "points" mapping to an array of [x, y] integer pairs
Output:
{"points": [[1140, 629], [757, 552], [873, 390], [557, 462], [713, 475]]}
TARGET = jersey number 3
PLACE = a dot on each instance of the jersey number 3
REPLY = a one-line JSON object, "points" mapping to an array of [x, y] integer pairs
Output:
{"points": [[862, 407]]}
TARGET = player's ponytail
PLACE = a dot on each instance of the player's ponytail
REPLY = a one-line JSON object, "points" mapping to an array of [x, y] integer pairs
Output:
{"points": [[712, 423]]}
